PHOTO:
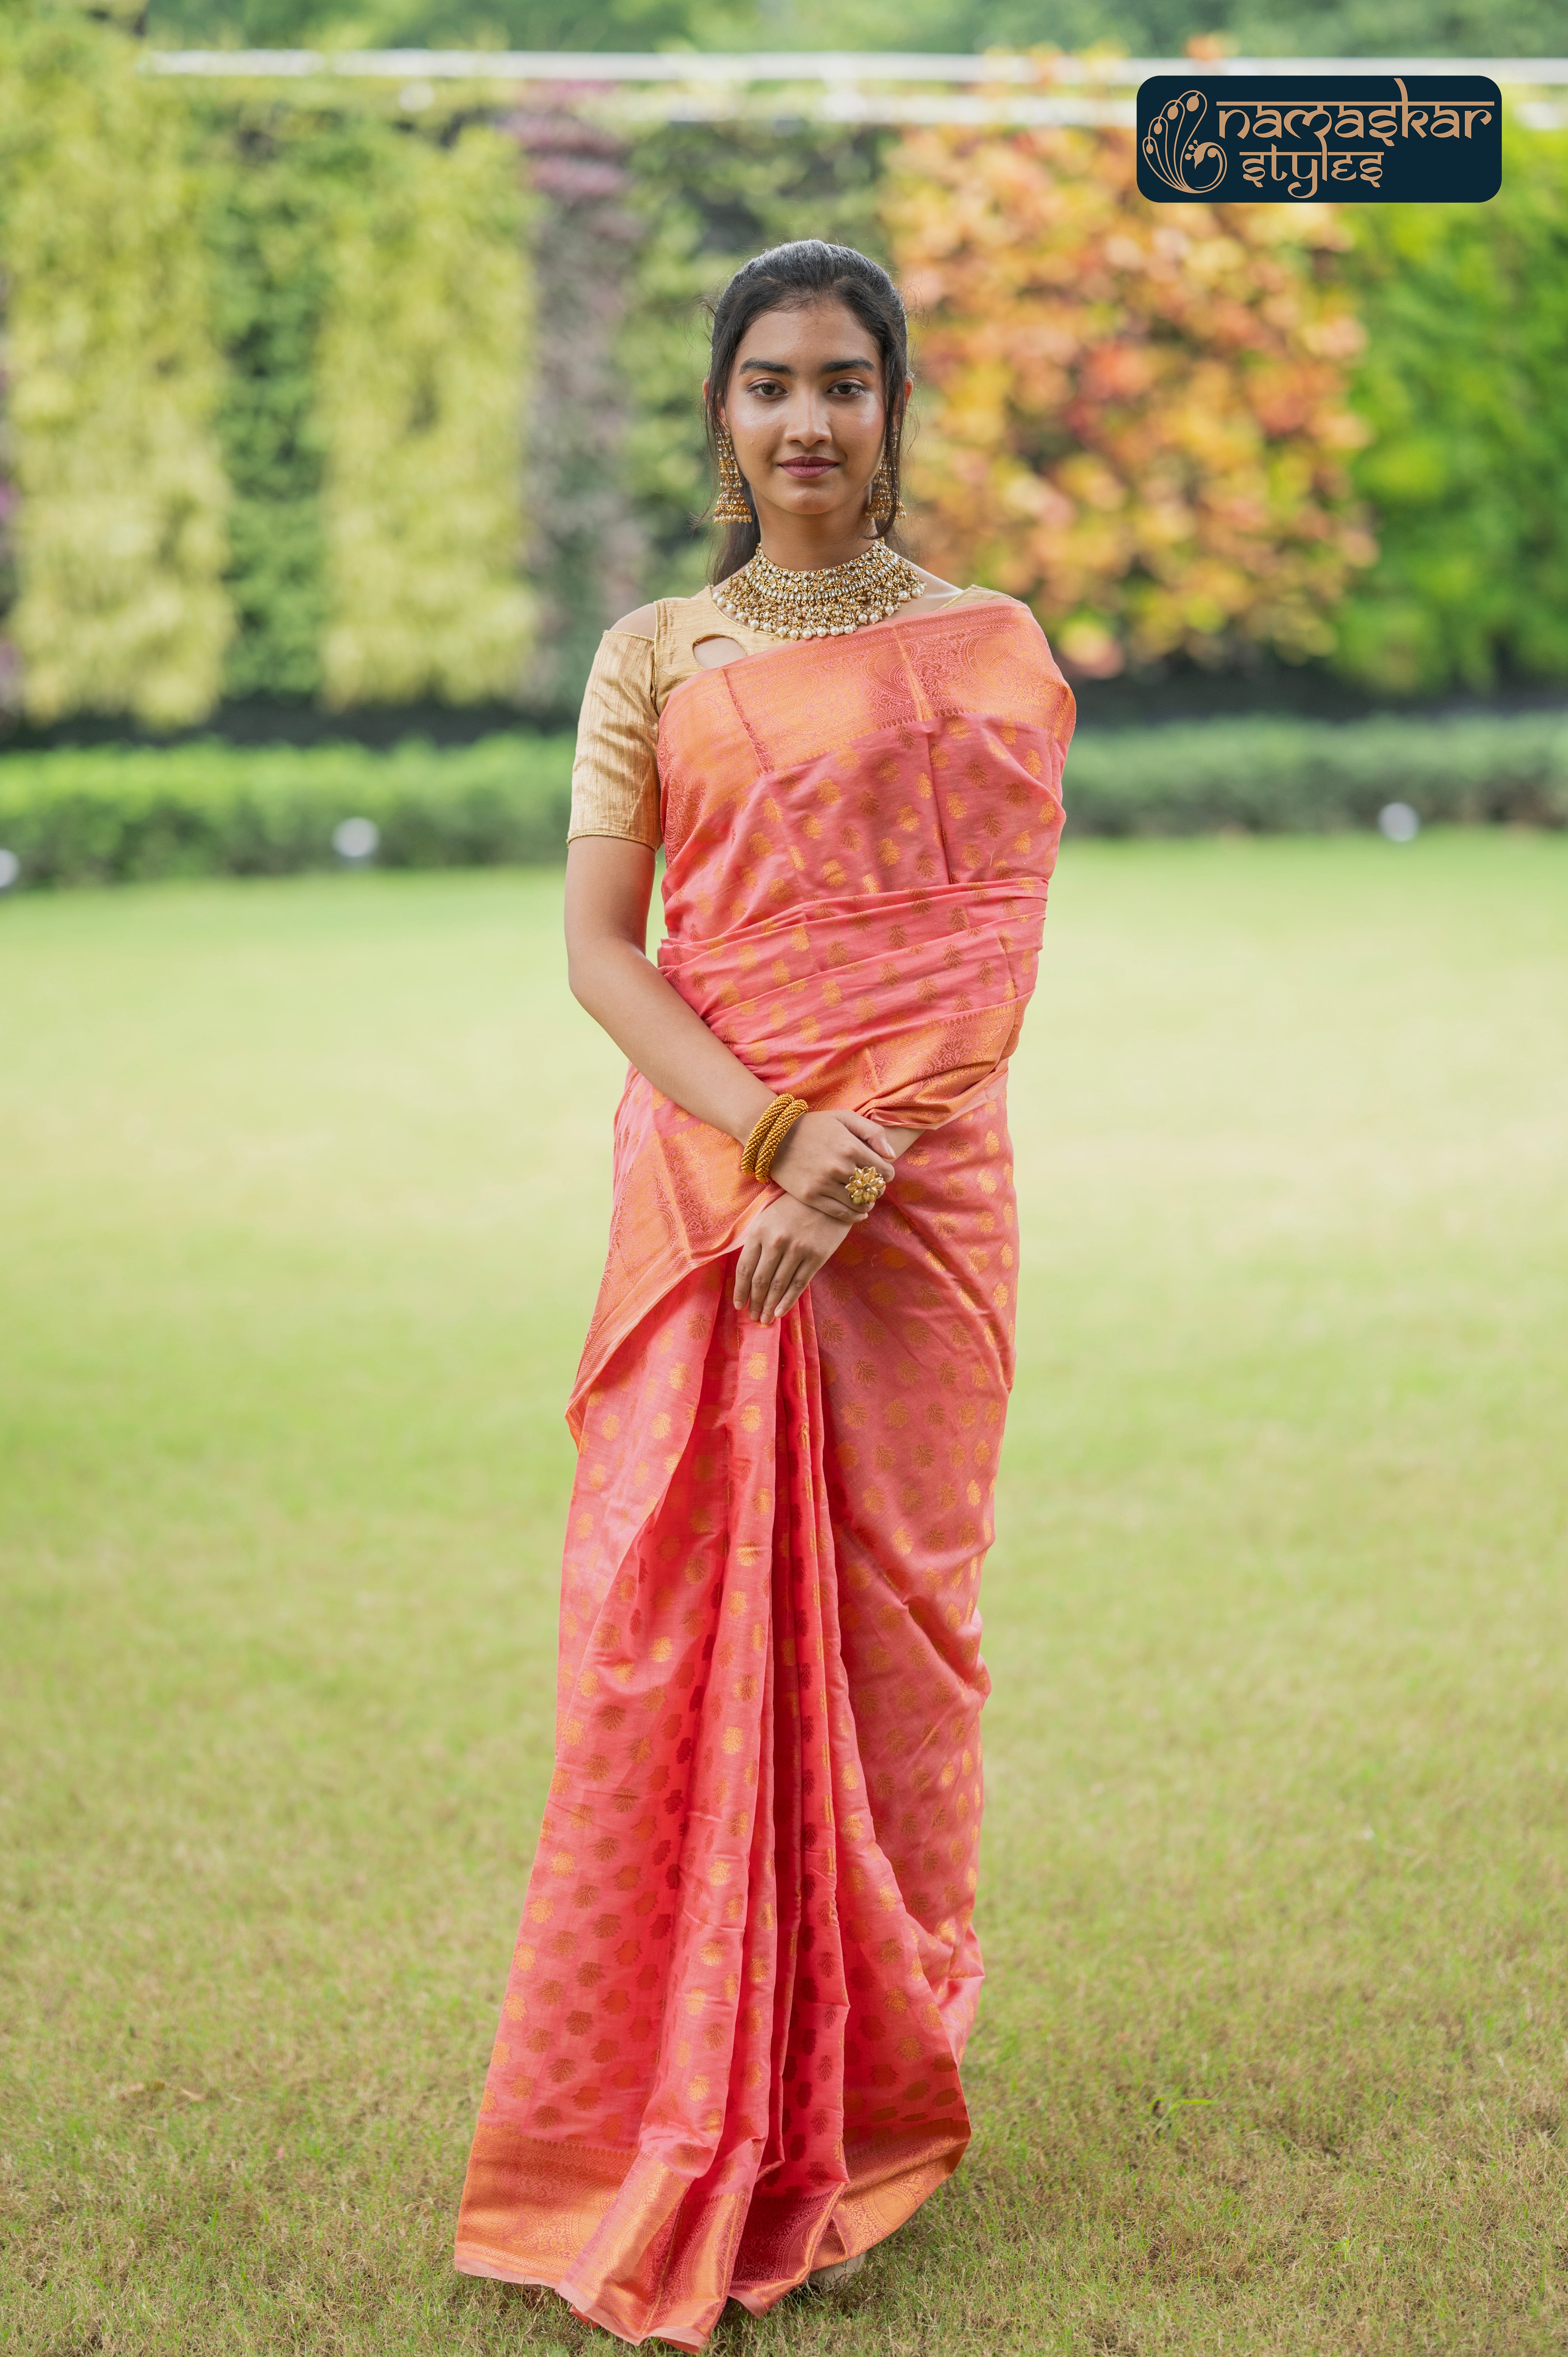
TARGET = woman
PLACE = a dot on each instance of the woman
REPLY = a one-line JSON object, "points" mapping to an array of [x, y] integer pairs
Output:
{"points": [[729, 2051]]}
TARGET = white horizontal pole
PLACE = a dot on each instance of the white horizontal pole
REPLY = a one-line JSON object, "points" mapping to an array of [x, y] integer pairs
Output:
{"points": [[829, 68], [846, 103]]}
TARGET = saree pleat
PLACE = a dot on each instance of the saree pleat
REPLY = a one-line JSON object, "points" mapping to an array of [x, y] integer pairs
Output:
{"points": [[730, 2044]]}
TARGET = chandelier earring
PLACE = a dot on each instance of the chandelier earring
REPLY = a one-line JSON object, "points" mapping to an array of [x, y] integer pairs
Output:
{"points": [[883, 503], [731, 506]]}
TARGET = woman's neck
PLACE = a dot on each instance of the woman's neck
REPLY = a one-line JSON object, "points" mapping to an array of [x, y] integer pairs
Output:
{"points": [[791, 544]]}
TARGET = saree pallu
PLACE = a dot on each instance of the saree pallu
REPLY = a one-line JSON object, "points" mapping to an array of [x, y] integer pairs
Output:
{"points": [[730, 2044]]}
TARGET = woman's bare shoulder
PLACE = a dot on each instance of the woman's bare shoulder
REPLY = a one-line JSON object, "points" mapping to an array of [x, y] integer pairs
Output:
{"points": [[978, 589], [937, 594], [641, 624], [644, 622]]}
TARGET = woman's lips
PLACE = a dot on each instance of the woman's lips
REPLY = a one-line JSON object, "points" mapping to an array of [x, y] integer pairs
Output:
{"points": [[809, 471]]}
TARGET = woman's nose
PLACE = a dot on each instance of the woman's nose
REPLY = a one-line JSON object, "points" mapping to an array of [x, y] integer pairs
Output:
{"points": [[811, 421]]}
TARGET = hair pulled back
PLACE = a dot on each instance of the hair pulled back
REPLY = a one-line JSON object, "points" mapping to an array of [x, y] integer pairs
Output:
{"points": [[792, 278]]}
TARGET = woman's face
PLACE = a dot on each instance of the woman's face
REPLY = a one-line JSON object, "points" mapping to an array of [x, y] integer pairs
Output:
{"points": [[805, 408]]}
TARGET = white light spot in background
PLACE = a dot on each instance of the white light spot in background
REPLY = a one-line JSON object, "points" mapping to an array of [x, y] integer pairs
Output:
{"points": [[356, 840], [1397, 823], [415, 96], [10, 869]]}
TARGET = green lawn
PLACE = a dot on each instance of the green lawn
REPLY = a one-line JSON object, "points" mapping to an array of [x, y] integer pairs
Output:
{"points": [[302, 1195]]}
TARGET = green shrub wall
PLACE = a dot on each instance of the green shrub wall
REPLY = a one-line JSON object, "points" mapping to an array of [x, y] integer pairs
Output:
{"points": [[361, 408], [420, 384], [266, 415], [1465, 386], [586, 555], [114, 383], [271, 176]]}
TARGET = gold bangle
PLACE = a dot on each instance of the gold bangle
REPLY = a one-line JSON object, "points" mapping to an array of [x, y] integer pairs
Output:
{"points": [[764, 1122], [793, 1110]]}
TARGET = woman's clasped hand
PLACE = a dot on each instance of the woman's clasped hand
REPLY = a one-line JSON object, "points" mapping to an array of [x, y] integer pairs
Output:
{"points": [[820, 1156], [794, 1236]]}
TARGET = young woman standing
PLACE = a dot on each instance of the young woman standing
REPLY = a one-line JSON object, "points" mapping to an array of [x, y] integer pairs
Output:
{"points": [[728, 2057]]}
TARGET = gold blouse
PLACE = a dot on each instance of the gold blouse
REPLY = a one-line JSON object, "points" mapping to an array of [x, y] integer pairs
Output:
{"points": [[615, 774]]}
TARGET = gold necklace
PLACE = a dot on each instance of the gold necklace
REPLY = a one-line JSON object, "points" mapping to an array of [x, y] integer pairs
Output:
{"points": [[826, 604]]}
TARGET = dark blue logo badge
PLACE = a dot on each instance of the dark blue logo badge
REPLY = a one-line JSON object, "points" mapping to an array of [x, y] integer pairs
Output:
{"points": [[1353, 139]]}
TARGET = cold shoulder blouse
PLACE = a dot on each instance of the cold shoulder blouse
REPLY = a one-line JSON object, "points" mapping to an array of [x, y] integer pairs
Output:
{"points": [[615, 774]]}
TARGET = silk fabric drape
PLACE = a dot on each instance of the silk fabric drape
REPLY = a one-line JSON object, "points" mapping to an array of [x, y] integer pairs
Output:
{"points": [[747, 1971]]}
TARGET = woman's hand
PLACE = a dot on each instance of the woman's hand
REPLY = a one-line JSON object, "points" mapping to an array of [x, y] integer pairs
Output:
{"points": [[822, 1153], [781, 1251]]}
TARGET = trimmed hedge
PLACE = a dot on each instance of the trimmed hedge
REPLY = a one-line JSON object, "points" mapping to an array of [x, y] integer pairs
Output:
{"points": [[115, 815], [1295, 777]]}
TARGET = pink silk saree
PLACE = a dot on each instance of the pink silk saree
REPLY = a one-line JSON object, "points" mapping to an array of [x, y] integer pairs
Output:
{"points": [[730, 2044]]}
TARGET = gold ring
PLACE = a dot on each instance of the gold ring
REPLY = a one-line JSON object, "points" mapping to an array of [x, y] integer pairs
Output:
{"points": [[865, 1188]]}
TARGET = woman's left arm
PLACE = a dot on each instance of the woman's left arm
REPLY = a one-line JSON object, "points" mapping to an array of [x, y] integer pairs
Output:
{"points": [[609, 883], [608, 886]]}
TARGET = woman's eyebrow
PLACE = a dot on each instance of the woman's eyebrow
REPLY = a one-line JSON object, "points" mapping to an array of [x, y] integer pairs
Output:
{"points": [[826, 368]]}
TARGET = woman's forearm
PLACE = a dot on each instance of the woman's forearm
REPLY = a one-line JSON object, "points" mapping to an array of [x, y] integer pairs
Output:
{"points": [[673, 1048], [656, 1030], [608, 886]]}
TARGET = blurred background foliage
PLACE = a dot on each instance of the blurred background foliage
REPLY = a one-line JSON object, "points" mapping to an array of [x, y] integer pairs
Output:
{"points": [[1137, 418], [362, 406], [1462, 388], [274, 181], [420, 387], [585, 548], [112, 385]]}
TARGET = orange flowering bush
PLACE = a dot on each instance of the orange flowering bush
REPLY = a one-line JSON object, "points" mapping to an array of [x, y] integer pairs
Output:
{"points": [[1140, 418]]}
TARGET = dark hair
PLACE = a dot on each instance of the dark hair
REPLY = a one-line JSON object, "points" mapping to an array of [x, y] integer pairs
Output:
{"points": [[792, 278]]}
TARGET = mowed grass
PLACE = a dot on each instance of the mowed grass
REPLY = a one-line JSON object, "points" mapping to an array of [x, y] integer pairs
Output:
{"points": [[302, 1200]]}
